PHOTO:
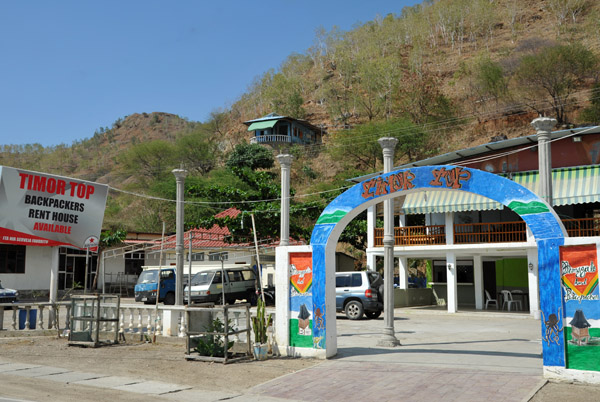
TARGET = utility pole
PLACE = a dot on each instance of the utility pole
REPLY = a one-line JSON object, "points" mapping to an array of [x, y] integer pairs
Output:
{"points": [[180, 175]]}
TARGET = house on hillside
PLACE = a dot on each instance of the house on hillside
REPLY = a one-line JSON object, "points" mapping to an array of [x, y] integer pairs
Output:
{"points": [[493, 248], [275, 130]]}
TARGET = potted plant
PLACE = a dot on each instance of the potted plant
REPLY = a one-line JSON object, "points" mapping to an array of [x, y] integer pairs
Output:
{"points": [[260, 323]]}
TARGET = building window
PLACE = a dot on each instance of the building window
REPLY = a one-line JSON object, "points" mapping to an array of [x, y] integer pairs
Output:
{"points": [[217, 256], [12, 259], [134, 263], [197, 257]]}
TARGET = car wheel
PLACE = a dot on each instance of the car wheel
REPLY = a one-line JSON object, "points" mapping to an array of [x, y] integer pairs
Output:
{"points": [[354, 310], [169, 299], [373, 314]]}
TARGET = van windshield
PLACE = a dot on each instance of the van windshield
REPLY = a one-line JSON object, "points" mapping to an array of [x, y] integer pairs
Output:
{"points": [[202, 278], [147, 277]]}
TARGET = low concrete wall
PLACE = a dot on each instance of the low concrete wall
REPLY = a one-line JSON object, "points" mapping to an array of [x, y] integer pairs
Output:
{"points": [[465, 296], [413, 297]]}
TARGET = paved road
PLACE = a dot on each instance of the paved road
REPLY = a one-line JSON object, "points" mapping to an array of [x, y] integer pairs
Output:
{"points": [[459, 357]]}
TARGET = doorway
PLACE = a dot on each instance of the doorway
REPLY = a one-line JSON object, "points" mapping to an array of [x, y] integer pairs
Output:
{"points": [[71, 269]]}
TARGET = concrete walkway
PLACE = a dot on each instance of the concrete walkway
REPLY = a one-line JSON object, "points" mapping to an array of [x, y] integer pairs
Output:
{"points": [[458, 357]]}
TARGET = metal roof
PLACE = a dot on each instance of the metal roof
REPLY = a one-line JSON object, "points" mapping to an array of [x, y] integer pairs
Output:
{"points": [[275, 116], [453, 156]]}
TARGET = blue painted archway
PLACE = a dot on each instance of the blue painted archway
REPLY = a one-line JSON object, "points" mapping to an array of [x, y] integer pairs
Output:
{"points": [[541, 219]]}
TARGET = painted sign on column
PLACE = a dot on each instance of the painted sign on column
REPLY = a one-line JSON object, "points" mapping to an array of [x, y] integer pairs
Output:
{"points": [[38, 209], [300, 266], [581, 326]]}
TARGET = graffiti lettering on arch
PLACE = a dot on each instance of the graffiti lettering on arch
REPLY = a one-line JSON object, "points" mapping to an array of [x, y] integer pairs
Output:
{"points": [[452, 177], [396, 182]]}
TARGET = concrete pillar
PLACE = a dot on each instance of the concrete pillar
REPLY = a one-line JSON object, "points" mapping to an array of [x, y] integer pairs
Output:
{"points": [[371, 219], [544, 126], [53, 296], [533, 283], [403, 271], [389, 339], [451, 283], [180, 175], [478, 281], [285, 161], [449, 226]]}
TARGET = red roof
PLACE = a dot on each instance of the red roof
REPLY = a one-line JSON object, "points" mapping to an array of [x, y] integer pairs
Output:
{"points": [[215, 237]]}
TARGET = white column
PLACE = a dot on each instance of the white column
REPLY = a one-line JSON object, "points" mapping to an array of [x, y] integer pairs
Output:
{"points": [[179, 178], [403, 271], [282, 297], [533, 283], [449, 223], [478, 279], [371, 256], [54, 275], [285, 161], [371, 226], [543, 126], [451, 283], [388, 339]]}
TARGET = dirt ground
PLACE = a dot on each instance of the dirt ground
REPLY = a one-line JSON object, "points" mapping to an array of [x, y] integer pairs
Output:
{"points": [[564, 392], [163, 361]]}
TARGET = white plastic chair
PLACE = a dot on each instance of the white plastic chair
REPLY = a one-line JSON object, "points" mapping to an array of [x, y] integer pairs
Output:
{"points": [[488, 299], [508, 299]]}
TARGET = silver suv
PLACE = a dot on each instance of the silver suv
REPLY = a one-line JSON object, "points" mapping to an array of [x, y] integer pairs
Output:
{"points": [[358, 293]]}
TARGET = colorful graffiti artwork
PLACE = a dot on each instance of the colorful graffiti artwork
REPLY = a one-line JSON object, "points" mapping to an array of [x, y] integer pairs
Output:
{"points": [[301, 278], [300, 271], [579, 279], [579, 268], [553, 327]]}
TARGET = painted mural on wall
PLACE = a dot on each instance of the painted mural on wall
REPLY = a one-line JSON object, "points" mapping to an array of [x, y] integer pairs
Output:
{"points": [[301, 322], [579, 274], [540, 218]]}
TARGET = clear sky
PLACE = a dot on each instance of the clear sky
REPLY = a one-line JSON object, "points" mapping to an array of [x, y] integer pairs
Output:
{"points": [[68, 68]]}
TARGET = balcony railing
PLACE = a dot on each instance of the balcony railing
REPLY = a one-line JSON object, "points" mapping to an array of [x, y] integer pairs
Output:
{"points": [[414, 235], [476, 233], [499, 232], [271, 138], [587, 227]]}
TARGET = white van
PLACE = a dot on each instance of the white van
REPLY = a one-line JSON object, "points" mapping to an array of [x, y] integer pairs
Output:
{"points": [[208, 285]]}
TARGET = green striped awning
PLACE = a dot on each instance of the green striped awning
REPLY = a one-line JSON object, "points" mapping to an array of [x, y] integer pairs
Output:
{"points": [[425, 202], [261, 125], [575, 185]]}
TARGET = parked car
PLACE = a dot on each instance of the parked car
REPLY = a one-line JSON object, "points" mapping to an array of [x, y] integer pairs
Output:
{"points": [[208, 286], [145, 288], [8, 295], [358, 293]]}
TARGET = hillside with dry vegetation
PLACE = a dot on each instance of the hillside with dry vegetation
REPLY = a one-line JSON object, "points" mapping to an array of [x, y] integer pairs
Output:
{"points": [[439, 76]]}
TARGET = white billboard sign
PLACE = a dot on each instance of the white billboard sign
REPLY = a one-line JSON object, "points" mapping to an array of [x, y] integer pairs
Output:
{"points": [[38, 209]]}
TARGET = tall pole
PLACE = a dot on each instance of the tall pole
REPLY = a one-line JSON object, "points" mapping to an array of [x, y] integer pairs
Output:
{"points": [[180, 178], [285, 161], [544, 126], [189, 285], [388, 144]]}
